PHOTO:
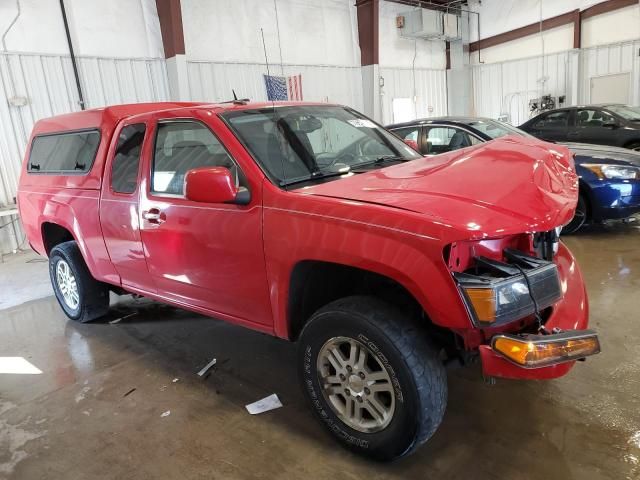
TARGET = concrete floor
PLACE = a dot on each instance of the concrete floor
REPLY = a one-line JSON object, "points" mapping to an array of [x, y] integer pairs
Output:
{"points": [[75, 421]]}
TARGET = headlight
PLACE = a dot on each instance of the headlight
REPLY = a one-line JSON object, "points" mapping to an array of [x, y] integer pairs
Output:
{"points": [[500, 294], [613, 172]]}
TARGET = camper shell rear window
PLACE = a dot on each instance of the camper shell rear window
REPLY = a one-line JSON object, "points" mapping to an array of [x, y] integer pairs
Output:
{"points": [[68, 153]]}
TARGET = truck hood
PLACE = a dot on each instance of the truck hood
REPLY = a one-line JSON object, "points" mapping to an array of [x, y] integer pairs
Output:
{"points": [[510, 185]]}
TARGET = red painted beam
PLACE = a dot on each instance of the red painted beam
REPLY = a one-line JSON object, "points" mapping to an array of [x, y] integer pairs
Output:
{"points": [[170, 16], [606, 7], [525, 31], [368, 13], [574, 17]]}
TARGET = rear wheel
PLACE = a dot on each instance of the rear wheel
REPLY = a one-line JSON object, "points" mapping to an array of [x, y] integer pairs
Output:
{"points": [[80, 295], [372, 377], [579, 218]]}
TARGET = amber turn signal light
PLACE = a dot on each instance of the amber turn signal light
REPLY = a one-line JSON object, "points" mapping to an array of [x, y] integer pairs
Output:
{"points": [[542, 350], [484, 303]]}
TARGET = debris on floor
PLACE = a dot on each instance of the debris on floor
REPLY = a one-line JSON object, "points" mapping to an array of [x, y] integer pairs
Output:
{"points": [[207, 367], [268, 403], [118, 320], [129, 392], [175, 380], [166, 414]]}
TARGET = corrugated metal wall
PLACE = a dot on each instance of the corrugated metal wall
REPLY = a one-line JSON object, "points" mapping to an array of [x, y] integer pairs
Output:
{"points": [[48, 84], [609, 60], [505, 88], [430, 91], [214, 81]]}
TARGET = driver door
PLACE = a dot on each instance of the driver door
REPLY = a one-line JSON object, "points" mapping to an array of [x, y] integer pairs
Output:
{"points": [[201, 254]]}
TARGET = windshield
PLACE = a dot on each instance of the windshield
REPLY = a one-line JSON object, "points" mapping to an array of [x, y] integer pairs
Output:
{"points": [[295, 144], [495, 129], [626, 112]]}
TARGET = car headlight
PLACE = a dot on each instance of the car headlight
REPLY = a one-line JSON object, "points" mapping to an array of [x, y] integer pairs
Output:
{"points": [[613, 172], [500, 293]]}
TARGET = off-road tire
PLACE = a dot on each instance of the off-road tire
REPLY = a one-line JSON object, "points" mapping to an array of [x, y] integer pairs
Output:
{"points": [[418, 375], [93, 296]]}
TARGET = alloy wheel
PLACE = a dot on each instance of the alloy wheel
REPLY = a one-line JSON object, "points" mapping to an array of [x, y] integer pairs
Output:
{"points": [[67, 284], [356, 384]]}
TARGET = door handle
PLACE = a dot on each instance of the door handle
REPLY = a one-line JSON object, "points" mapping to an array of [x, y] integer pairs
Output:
{"points": [[154, 216]]}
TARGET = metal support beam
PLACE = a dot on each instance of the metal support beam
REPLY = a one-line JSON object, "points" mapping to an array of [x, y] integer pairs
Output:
{"points": [[73, 57], [368, 28], [170, 16], [575, 17]]}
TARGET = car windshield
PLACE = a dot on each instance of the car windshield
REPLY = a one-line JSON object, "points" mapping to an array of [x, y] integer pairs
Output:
{"points": [[304, 143], [626, 112], [495, 129]]}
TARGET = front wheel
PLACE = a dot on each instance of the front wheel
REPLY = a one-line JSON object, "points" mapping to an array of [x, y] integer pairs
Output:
{"points": [[372, 377], [81, 296]]}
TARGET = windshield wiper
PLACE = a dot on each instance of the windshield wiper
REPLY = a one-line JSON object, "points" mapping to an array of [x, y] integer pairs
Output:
{"points": [[317, 175], [380, 160]]}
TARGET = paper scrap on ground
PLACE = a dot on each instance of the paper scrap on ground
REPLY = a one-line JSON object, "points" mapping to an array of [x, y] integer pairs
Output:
{"points": [[207, 367], [166, 414], [175, 380], [268, 403]]}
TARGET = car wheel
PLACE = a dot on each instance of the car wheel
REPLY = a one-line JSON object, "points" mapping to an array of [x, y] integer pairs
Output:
{"points": [[80, 295], [373, 378], [634, 146], [579, 218]]}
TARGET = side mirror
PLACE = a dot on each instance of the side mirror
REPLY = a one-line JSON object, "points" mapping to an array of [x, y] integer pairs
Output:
{"points": [[412, 143], [213, 185], [610, 124]]}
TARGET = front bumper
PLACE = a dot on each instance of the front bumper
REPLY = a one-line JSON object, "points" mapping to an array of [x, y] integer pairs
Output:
{"points": [[614, 199], [571, 313]]}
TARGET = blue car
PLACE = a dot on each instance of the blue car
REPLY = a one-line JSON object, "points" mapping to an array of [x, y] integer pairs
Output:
{"points": [[609, 176]]}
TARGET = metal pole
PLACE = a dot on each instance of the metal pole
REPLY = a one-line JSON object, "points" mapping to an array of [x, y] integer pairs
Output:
{"points": [[73, 57]]}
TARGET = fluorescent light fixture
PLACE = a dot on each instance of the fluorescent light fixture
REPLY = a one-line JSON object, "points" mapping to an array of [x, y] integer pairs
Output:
{"points": [[18, 366]]}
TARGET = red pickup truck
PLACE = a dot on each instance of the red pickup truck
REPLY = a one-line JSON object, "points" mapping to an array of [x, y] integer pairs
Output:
{"points": [[312, 223]]}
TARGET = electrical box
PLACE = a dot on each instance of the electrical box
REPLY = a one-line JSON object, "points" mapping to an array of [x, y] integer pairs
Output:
{"points": [[450, 24], [422, 23], [428, 24]]}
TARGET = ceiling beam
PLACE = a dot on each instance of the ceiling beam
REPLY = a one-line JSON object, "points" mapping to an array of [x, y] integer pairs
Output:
{"points": [[525, 31], [574, 16]]}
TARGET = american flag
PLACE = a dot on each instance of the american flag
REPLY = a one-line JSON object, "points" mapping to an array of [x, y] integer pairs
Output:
{"points": [[283, 88]]}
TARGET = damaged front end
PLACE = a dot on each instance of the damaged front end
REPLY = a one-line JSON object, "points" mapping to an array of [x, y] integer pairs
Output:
{"points": [[525, 297]]}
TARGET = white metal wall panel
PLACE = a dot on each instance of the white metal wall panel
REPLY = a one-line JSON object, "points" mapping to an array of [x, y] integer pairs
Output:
{"points": [[609, 60], [505, 88], [430, 91], [48, 83], [214, 81]]}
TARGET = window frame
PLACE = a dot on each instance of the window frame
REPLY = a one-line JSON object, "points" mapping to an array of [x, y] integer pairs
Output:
{"points": [[427, 126], [571, 117], [594, 110], [74, 173], [140, 160], [152, 160]]}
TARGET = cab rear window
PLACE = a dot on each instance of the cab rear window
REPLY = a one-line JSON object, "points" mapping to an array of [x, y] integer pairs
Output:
{"points": [[68, 152]]}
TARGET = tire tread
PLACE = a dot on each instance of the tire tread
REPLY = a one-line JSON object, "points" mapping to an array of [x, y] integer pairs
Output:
{"points": [[419, 353]]}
